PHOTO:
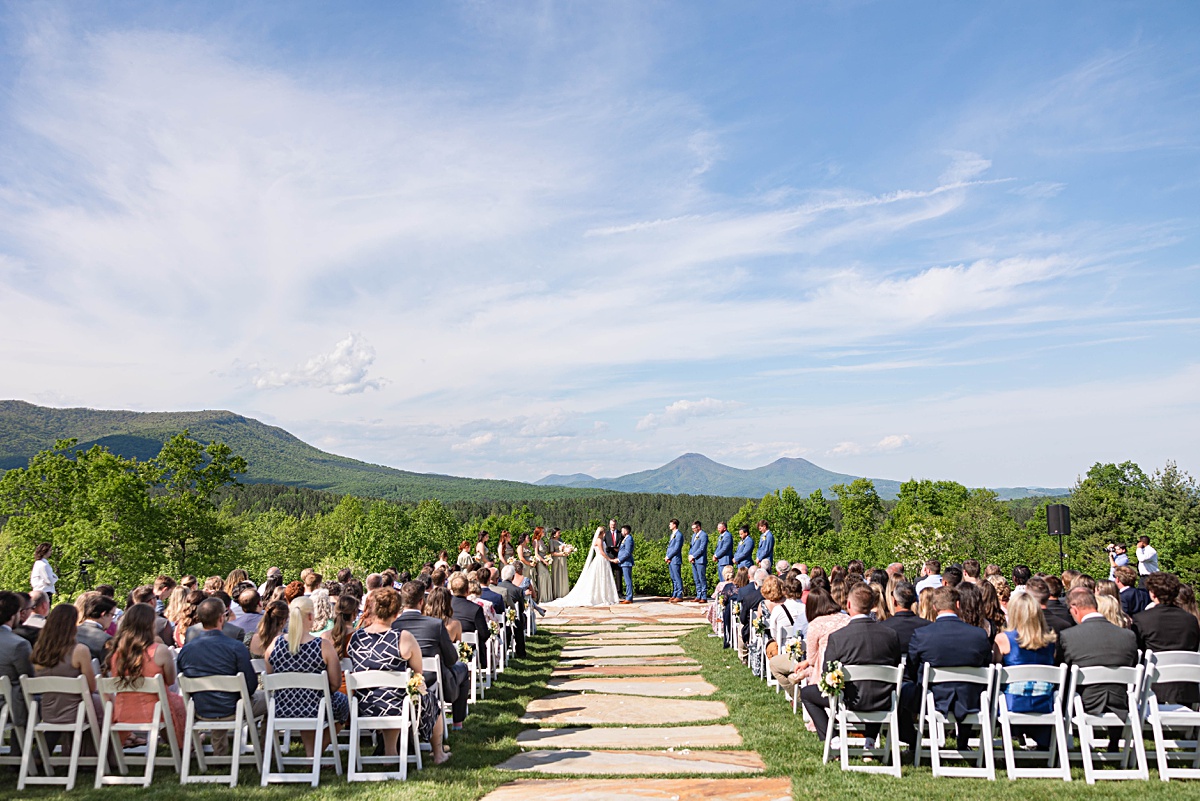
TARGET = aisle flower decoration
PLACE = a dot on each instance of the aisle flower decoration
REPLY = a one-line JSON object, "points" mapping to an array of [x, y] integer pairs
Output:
{"points": [[416, 685], [494, 628], [761, 627], [466, 651], [510, 614], [833, 680], [795, 649], [736, 608]]}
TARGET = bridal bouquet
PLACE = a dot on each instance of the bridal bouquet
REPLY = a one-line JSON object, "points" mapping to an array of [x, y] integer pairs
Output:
{"points": [[510, 614], [466, 651], [567, 549], [794, 650], [416, 685], [833, 680]]}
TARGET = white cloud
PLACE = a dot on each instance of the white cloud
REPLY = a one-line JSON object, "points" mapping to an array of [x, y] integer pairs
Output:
{"points": [[964, 166], [343, 370], [681, 411], [891, 442], [1039, 190]]}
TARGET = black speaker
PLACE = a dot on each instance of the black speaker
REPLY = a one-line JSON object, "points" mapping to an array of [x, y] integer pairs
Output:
{"points": [[1058, 519]]}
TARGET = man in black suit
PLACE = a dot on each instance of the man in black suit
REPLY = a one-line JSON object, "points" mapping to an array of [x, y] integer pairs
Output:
{"points": [[515, 598], [1057, 617], [612, 545], [905, 621], [1093, 641], [749, 597], [469, 614], [1166, 627], [433, 640], [861, 642], [1134, 599], [947, 642]]}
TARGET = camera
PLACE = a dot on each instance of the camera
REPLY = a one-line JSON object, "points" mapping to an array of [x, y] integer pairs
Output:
{"points": [[83, 562], [1110, 547]]}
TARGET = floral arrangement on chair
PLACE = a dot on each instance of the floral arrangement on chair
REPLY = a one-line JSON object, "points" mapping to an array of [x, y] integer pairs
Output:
{"points": [[794, 649], [736, 608], [832, 681], [494, 627], [760, 626], [466, 651], [416, 685]]}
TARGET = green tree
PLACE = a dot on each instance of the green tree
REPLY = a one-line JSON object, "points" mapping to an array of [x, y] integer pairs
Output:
{"points": [[862, 512]]}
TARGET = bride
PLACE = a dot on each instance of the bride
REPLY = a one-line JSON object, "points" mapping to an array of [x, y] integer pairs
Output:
{"points": [[595, 586]]}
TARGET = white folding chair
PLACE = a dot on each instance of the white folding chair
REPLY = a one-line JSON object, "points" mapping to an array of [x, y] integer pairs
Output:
{"points": [[932, 724], [242, 720], [447, 707], [472, 638], [259, 665], [112, 732], [1173, 716], [319, 724], [9, 726], [406, 722], [1056, 720], [786, 634], [95, 666], [843, 717], [1130, 724], [85, 723]]}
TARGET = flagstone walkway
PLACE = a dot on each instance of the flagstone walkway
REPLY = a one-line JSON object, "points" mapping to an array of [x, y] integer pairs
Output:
{"points": [[628, 702]]}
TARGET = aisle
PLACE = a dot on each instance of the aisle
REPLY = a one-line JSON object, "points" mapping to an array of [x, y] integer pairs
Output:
{"points": [[628, 702]]}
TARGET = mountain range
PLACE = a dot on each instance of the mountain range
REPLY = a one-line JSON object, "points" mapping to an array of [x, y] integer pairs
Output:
{"points": [[696, 474], [278, 457]]}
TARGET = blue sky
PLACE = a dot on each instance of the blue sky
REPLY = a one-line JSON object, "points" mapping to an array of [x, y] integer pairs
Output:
{"points": [[945, 240]]}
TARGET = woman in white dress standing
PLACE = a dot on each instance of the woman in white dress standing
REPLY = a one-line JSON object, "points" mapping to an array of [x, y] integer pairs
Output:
{"points": [[595, 586], [42, 578]]}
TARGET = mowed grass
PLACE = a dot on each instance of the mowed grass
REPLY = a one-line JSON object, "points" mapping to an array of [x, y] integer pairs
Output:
{"points": [[489, 738], [767, 726]]}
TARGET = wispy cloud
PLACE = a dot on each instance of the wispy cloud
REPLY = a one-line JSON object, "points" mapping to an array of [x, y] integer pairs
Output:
{"points": [[343, 370], [681, 411]]}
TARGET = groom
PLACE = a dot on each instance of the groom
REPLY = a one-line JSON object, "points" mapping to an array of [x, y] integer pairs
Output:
{"points": [[625, 560]]}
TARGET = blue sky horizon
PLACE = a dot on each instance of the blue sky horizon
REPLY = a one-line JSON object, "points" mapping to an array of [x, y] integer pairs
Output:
{"points": [[928, 239]]}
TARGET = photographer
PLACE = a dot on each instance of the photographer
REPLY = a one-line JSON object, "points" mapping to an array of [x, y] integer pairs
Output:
{"points": [[1117, 556]]}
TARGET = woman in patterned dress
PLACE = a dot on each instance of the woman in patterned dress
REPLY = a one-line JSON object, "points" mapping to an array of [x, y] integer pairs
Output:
{"points": [[380, 647], [298, 651]]}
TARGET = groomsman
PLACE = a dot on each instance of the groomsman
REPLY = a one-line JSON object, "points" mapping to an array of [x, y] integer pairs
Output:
{"points": [[745, 549], [724, 550], [698, 556], [766, 545], [674, 560], [625, 560]]}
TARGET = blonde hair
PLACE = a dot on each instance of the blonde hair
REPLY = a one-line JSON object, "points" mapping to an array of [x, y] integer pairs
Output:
{"points": [[322, 609], [1026, 619], [1110, 607], [297, 609]]}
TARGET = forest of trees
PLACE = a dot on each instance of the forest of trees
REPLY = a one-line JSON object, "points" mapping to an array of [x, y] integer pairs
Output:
{"points": [[184, 512]]}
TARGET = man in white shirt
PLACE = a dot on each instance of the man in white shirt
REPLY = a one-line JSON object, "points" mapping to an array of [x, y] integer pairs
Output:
{"points": [[932, 576], [1147, 558]]}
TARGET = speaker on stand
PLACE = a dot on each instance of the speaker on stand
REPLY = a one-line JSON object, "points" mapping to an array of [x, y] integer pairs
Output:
{"points": [[1058, 524]]}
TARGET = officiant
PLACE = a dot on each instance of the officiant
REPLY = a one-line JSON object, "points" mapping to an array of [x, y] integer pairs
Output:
{"points": [[612, 546]]}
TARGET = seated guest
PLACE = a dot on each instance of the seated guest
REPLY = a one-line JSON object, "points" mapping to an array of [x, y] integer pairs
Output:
{"points": [[948, 641], [15, 653], [21, 625], [40, 605], [292, 591], [59, 653], [270, 626], [1134, 599], [515, 598], [931, 576], [469, 614], [970, 570], [380, 646], [488, 594], [228, 629], [211, 653], [1093, 641], [98, 613], [136, 655], [312, 581], [163, 587], [1166, 627], [298, 651], [861, 641], [1020, 576], [824, 617], [1057, 617], [750, 597], [904, 621], [432, 622], [343, 624], [1029, 640], [251, 606], [323, 612]]}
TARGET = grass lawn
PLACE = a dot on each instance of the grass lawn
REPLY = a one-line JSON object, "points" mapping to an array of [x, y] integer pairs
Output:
{"points": [[489, 737], [767, 725]]}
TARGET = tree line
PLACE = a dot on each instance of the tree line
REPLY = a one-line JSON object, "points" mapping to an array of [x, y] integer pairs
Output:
{"points": [[184, 511]]}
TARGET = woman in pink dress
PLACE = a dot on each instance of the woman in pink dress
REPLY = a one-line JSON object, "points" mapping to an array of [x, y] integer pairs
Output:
{"points": [[135, 657], [824, 618]]}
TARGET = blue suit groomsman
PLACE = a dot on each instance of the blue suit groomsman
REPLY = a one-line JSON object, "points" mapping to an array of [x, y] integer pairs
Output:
{"points": [[766, 544], [724, 550], [674, 560], [698, 556], [745, 549], [625, 562]]}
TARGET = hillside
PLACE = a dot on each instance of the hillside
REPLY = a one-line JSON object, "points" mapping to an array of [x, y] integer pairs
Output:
{"points": [[695, 474], [274, 455]]}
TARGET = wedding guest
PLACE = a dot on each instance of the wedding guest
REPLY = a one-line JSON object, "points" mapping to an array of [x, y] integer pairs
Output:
{"points": [[274, 579], [1186, 600], [469, 614], [272, 623], [345, 614], [298, 651], [515, 598], [904, 621], [1094, 641], [1057, 619], [15, 653], [1028, 640], [293, 591], [322, 611], [990, 608], [443, 561], [750, 597], [1000, 585], [40, 606], [42, 577], [824, 617], [98, 613], [463, 559], [313, 581], [1111, 609], [251, 606], [487, 594], [970, 570], [379, 646], [1133, 598], [931, 576], [20, 625], [135, 657], [970, 608], [59, 653], [1166, 627], [228, 628], [437, 632]]}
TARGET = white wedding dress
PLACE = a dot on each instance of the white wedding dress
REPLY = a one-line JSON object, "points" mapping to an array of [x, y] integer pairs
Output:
{"points": [[595, 586]]}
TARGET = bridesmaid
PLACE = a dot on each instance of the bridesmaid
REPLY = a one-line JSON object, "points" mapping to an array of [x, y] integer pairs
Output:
{"points": [[505, 551], [541, 552], [525, 557], [482, 555], [558, 571]]}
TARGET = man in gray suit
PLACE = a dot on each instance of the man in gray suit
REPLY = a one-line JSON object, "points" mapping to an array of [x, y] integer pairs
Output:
{"points": [[433, 640], [98, 613], [1093, 641], [14, 652]]}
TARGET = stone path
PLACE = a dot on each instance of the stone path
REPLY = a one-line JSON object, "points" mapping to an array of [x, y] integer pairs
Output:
{"points": [[628, 702]]}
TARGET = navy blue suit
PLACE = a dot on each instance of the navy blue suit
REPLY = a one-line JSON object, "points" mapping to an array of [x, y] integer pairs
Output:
{"points": [[766, 547], [699, 556], [723, 552], [950, 642], [745, 552], [675, 560], [625, 561]]}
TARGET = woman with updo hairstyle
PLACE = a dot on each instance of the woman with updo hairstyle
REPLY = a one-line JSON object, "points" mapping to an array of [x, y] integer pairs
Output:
{"points": [[378, 646], [322, 611], [298, 651], [343, 624], [292, 591], [135, 657], [274, 620]]}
